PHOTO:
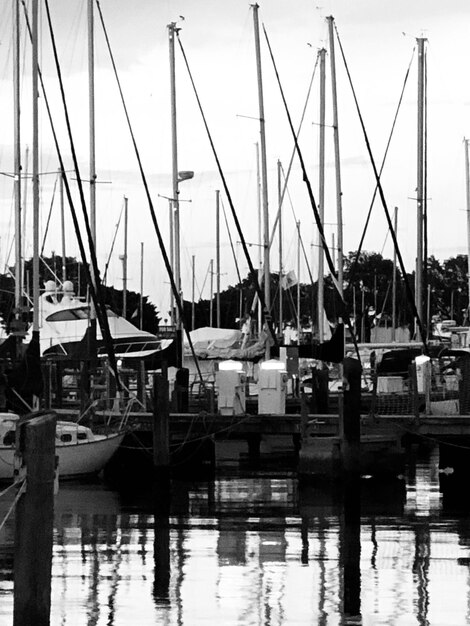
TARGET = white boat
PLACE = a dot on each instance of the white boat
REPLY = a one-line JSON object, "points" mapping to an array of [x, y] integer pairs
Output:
{"points": [[64, 320], [80, 451]]}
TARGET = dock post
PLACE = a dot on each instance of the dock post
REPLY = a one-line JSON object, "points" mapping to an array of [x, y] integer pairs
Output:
{"points": [[161, 430], [182, 390], [350, 528], [34, 522], [350, 417]]}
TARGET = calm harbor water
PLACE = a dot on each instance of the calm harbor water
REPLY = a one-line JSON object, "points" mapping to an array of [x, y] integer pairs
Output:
{"points": [[258, 550]]}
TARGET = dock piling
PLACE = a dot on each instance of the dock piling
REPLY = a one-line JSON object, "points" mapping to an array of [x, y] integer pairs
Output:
{"points": [[34, 522]]}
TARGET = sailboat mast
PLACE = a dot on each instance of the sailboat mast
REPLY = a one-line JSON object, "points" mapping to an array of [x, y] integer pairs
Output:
{"points": [[279, 199], [394, 280], [321, 195], [172, 30], [264, 173], [124, 262], [62, 225], [141, 301], [420, 180], [34, 8], [339, 210], [211, 301], [17, 159], [193, 285], [467, 195], [91, 112], [260, 229], [298, 281], [217, 253]]}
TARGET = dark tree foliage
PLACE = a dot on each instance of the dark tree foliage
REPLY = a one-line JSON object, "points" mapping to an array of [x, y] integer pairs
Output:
{"points": [[368, 287]]}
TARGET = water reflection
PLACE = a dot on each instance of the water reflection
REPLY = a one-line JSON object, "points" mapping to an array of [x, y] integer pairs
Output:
{"points": [[258, 550]]}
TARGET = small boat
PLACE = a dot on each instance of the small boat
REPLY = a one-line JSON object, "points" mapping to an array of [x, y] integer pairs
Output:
{"points": [[80, 451]]}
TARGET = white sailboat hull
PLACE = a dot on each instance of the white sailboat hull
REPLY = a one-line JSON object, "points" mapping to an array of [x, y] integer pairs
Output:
{"points": [[80, 452], [75, 460]]}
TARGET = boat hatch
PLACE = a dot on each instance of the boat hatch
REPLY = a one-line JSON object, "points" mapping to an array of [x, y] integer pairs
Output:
{"points": [[73, 433]]}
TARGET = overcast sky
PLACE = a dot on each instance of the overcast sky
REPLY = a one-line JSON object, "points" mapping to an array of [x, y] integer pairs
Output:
{"points": [[378, 39]]}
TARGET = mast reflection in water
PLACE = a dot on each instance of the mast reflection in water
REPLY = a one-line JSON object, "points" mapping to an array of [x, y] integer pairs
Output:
{"points": [[254, 550]]}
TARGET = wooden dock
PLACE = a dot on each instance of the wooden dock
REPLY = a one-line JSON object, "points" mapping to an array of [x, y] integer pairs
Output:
{"points": [[223, 426]]}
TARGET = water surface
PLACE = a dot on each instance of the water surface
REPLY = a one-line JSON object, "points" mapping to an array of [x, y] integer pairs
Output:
{"points": [[257, 550]]}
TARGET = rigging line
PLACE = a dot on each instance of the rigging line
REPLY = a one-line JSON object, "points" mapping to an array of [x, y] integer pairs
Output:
{"points": [[304, 172], [149, 199], [254, 275], [301, 238], [286, 176], [343, 309], [384, 203], [374, 195], [231, 243], [94, 285], [103, 319], [112, 245], [49, 216]]}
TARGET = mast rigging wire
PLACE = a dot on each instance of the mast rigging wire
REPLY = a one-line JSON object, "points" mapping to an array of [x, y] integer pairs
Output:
{"points": [[352, 272], [49, 217], [97, 301], [149, 199], [384, 203], [343, 309], [265, 312], [112, 244]]}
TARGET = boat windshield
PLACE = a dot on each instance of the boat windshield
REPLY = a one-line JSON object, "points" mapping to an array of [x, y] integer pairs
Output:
{"points": [[68, 315]]}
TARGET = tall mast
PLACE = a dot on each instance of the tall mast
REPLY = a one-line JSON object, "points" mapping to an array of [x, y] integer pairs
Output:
{"points": [[321, 196], [217, 254], [420, 180], [124, 262], [279, 195], [264, 173], [467, 195], [339, 210], [394, 280], [35, 169], [193, 307], [172, 31], [17, 160], [298, 281], [172, 257], [92, 177], [211, 301], [260, 229], [91, 109], [141, 307], [62, 225]]}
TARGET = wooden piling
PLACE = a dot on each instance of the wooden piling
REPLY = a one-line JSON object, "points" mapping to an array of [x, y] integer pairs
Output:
{"points": [[182, 390], [350, 416], [34, 522], [161, 431]]}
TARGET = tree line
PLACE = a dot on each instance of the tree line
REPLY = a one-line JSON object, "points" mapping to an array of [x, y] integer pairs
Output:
{"points": [[368, 282]]}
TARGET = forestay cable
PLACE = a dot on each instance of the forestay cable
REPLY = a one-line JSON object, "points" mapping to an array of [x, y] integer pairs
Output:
{"points": [[149, 199], [384, 203]]}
